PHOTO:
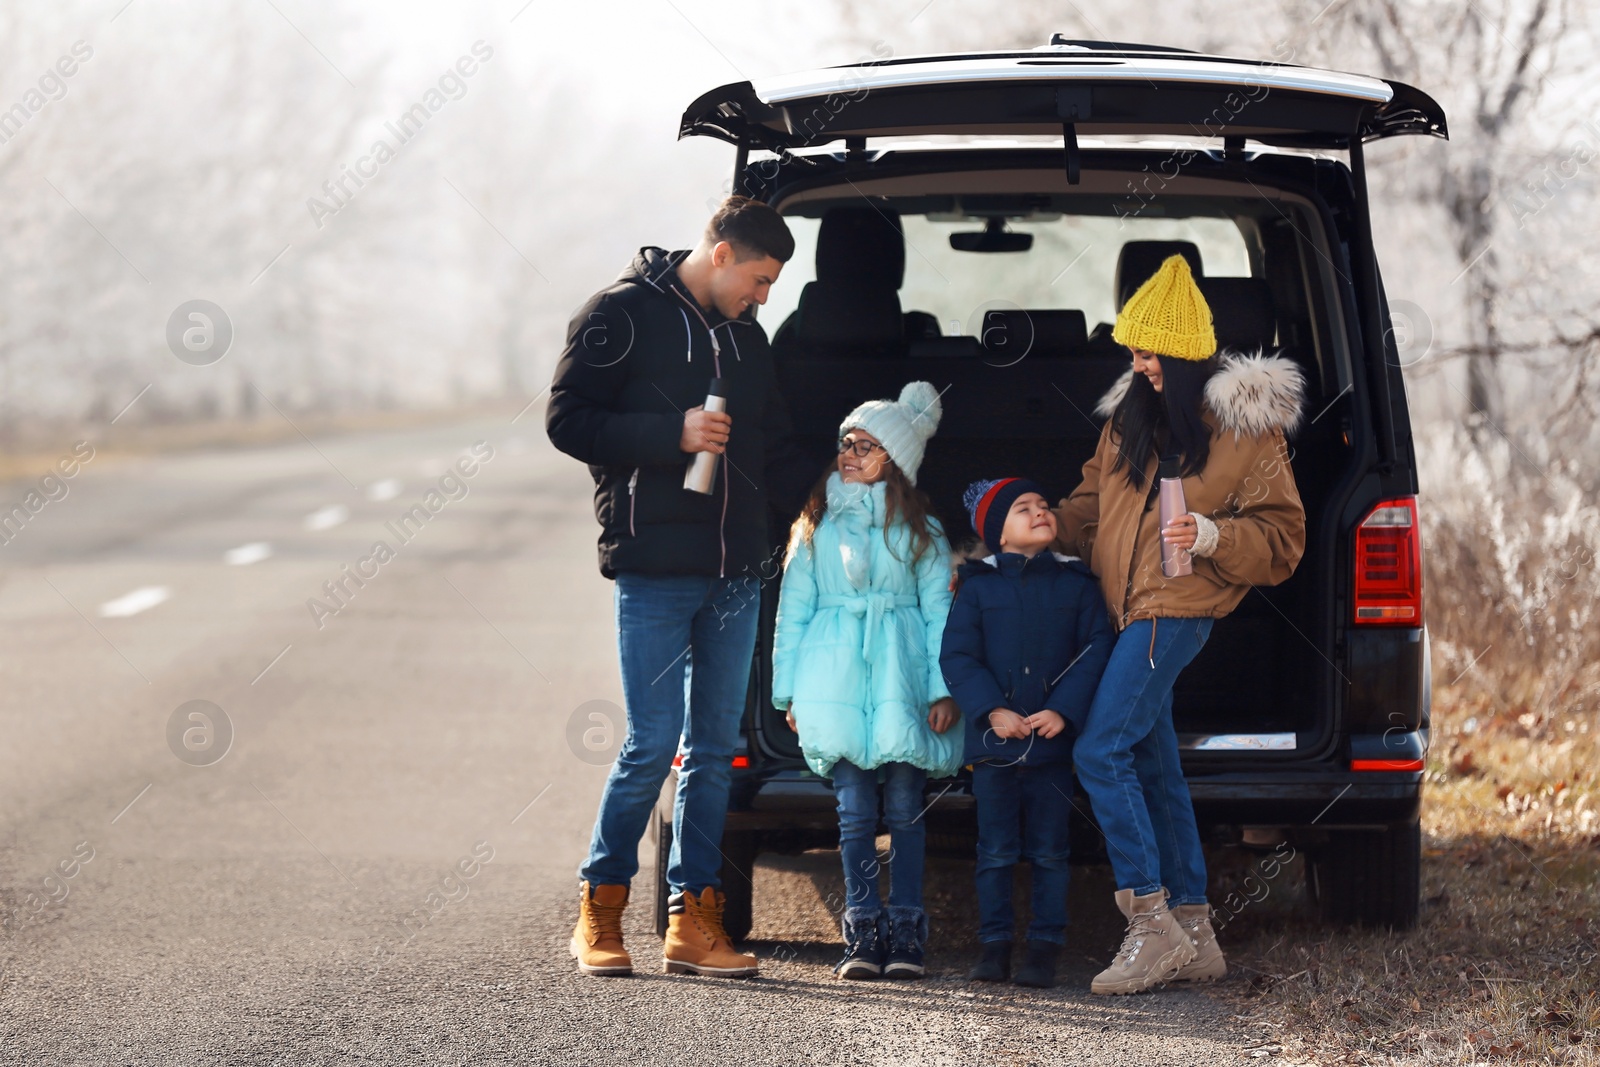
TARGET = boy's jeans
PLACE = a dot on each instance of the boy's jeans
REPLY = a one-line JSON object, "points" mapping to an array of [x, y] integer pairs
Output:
{"points": [[1127, 760], [857, 792], [1023, 813], [676, 635]]}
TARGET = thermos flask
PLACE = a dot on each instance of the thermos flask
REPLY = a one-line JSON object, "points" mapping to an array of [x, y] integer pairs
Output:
{"points": [[703, 468], [1174, 561]]}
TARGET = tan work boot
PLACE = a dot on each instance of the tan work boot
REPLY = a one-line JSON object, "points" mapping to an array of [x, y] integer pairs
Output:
{"points": [[1208, 964], [1153, 950], [597, 942], [697, 943]]}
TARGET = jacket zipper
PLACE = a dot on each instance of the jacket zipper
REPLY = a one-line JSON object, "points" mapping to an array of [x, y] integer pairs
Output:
{"points": [[633, 483]]}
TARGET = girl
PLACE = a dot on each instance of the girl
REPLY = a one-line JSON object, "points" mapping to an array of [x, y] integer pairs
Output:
{"points": [[1221, 421], [855, 664]]}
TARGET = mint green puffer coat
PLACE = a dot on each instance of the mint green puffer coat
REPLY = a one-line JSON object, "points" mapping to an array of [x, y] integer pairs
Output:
{"points": [[856, 655]]}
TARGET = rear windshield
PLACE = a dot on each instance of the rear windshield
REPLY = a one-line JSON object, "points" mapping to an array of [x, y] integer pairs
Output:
{"points": [[1072, 264]]}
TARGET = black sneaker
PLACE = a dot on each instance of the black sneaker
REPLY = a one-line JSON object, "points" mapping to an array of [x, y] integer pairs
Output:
{"points": [[1039, 965], [995, 965], [864, 948], [908, 934]]}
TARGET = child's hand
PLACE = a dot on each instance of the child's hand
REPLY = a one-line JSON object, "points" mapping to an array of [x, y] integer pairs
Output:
{"points": [[1008, 724], [788, 717], [942, 714], [1048, 723]]}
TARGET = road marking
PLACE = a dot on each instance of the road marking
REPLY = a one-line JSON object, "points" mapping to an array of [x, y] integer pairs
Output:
{"points": [[141, 599], [244, 555], [327, 518], [387, 489]]}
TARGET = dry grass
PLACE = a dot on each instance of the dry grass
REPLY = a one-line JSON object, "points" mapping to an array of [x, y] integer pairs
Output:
{"points": [[1504, 965]]}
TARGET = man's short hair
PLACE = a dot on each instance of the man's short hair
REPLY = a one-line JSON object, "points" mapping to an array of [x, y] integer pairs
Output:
{"points": [[752, 228]]}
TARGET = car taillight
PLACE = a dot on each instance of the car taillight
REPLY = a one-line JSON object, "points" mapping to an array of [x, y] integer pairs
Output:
{"points": [[1388, 562], [1386, 765], [738, 761]]}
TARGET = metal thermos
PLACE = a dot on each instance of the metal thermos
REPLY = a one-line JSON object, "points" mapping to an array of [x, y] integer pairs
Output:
{"points": [[702, 471], [1174, 561]]}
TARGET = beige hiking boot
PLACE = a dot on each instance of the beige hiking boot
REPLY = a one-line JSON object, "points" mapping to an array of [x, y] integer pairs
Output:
{"points": [[597, 942], [1153, 950], [697, 943], [1208, 964]]}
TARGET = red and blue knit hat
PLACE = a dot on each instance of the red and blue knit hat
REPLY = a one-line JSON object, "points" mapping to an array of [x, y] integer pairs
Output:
{"points": [[989, 501]]}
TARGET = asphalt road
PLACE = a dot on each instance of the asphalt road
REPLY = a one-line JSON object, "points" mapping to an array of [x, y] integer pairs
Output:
{"points": [[378, 864]]}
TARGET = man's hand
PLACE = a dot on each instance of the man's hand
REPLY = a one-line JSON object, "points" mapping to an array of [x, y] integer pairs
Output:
{"points": [[1048, 723], [1008, 724], [705, 431], [942, 714]]}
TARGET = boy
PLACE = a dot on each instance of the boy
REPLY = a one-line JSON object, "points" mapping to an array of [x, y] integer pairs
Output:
{"points": [[1024, 647]]}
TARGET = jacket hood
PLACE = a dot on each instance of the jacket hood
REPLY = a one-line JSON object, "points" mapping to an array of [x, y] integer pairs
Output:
{"points": [[1250, 393], [653, 267], [993, 564]]}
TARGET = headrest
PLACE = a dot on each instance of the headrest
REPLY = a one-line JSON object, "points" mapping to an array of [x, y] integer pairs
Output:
{"points": [[1138, 260], [1012, 334], [1241, 311], [861, 246]]}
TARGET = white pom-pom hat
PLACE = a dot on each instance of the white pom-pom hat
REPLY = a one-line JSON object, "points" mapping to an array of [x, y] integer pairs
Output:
{"points": [[903, 426]]}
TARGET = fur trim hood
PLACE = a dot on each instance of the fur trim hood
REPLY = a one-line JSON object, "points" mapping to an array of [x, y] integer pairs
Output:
{"points": [[1250, 393]]}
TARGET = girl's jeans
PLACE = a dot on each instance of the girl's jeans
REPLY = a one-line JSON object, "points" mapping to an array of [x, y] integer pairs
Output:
{"points": [[857, 792], [1127, 760]]}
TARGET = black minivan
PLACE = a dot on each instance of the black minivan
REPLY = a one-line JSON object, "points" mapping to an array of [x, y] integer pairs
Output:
{"points": [[976, 220]]}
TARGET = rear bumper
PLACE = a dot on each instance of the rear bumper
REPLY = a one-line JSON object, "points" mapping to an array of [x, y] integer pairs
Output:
{"points": [[770, 798]]}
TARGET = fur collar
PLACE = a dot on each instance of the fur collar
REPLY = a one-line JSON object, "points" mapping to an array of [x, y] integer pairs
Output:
{"points": [[1251, 393]]}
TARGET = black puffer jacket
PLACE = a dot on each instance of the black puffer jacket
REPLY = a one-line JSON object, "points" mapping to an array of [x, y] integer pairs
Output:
{"points": [[638, 355]]}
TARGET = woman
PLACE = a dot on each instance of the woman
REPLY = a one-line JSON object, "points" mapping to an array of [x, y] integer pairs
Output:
{"points": [[1224, 419]]}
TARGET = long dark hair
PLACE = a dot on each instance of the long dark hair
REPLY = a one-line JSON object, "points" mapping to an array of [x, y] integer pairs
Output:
{"points": [[1162, 424], [901, 499]]}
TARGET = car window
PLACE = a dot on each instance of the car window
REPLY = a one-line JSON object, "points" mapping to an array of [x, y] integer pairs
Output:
{"points": [[1072, 264]]}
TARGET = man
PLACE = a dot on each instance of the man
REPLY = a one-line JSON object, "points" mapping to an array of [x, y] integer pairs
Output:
{"points": [[628, 400]]}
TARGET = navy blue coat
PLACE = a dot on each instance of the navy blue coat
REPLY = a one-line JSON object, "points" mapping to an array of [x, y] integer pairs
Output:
{"points": [[1025, 634]]}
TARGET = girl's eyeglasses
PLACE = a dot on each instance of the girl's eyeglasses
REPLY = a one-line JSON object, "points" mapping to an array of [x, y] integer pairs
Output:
{"points": [[860, 449]]}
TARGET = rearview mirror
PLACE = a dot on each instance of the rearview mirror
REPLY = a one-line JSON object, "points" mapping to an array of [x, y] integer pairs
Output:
{"points": [[993, 238]]}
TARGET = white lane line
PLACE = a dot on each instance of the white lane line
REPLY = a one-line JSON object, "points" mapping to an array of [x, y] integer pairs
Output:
{"points": [[141, 599], [387, 489], [244, 555], [327, 518]]}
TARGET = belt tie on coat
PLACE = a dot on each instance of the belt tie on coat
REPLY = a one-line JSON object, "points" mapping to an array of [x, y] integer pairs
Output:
{"points": [[871, 607]]}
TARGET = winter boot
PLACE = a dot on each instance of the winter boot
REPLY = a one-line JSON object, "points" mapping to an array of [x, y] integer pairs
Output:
{"points": [[1039, 965], [908, 936], [1208, 964], [1153, 950], [995, 965], [864, 950], [696, 942], [597, 942]]}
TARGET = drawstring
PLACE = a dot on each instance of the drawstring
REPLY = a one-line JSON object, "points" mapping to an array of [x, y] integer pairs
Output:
{"points": [[688, 338], [1152, 644]]}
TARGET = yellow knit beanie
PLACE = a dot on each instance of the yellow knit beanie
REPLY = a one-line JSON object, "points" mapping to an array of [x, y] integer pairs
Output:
{"points": [[1168, 315]]}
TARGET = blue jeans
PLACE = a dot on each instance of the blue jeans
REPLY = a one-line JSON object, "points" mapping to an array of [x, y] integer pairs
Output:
{"points": [[857, 793], [1127, 760], [682, 640], [1023, 813]]}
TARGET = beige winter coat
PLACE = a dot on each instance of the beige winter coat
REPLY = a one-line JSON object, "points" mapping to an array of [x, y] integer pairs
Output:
{"points": [[1247, 489]]}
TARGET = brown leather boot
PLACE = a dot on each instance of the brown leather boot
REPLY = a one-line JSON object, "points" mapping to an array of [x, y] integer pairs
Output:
{"points": [[597, 942], [1153, 950], [697, 943], [1208, 964]]}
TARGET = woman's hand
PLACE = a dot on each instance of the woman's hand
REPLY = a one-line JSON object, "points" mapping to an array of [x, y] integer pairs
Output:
{"points": [[1007, 724], [1181, 532], [942, 714]]}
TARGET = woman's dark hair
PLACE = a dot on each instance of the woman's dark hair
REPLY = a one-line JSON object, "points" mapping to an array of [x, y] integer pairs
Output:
{"points": [[901, 499], [1150, 423]]}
